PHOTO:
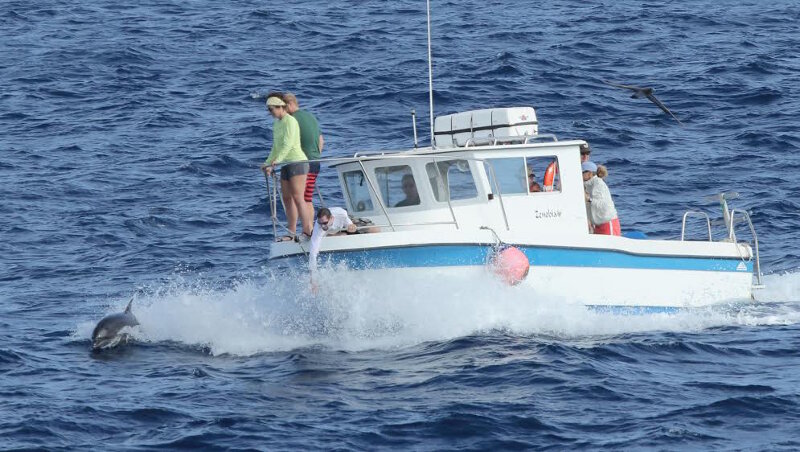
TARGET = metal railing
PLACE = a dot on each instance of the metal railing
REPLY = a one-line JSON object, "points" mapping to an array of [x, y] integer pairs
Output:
{"points": [[528, 138], [732, 237], [730, 218], [695, 213], [516, 139], [273, 208]]}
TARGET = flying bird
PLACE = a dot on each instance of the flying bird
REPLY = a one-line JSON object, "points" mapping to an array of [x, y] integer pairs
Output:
{"points": [[639, 92]]}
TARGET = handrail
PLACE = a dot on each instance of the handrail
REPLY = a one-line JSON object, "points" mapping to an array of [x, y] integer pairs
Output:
{"points": [[449, 205], [540, 135], [493, 140], [440, 150], [319, 192], [699, 214], [499, 194], [426, 223], [273, 207], [732, 236], [375, 192]]}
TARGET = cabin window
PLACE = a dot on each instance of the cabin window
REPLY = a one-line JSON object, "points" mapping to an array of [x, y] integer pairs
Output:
{"points": [[397, 186], [544, 174], [451, 180], [510, 173], [357, 187]]}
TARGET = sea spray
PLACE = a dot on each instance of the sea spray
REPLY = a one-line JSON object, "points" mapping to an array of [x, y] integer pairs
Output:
{"points": [[276, 311]]}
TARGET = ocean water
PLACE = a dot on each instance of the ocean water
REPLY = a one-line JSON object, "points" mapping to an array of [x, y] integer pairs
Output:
{"points": [[130, 137]]}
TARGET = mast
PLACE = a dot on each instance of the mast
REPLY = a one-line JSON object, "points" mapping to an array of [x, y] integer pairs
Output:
{"points": [[430, 71]]}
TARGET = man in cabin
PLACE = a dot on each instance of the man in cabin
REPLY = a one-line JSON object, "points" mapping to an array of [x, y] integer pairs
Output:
{"points": [[410, 190], [311, 143], [599, 205], [533, 186]]}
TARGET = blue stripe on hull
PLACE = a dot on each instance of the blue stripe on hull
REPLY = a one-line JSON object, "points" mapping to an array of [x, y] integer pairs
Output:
{"points": [[469, 255], [633, 310]]}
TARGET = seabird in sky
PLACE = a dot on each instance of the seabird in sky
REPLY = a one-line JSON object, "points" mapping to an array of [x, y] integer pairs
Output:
{"points": [[639, 92]]}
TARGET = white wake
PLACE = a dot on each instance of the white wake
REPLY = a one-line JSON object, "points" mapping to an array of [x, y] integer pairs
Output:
{"points": [[276, 311]]}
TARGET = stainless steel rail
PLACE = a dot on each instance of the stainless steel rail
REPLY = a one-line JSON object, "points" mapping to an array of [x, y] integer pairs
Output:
{"points": [[375, 192], [447, 191], [540, 135], [516, 139], [695, 213], [732, 237]]}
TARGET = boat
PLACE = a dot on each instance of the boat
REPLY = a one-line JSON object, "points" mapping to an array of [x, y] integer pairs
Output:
{"points": [[474, 212], [474, 199]]}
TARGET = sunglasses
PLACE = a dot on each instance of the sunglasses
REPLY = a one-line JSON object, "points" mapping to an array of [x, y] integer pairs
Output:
{"points": [[324, 224]]}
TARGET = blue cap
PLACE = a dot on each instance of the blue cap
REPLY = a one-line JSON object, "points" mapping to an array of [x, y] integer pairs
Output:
{"points": [[589, 166]]}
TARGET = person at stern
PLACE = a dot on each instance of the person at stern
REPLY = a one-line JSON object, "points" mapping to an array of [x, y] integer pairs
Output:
{"points": [[599, 205]]}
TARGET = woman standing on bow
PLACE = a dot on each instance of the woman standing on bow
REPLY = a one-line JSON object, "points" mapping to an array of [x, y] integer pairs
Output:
{"points": [[286, 148]]}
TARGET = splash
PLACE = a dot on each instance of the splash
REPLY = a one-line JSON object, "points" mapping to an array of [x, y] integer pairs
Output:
{"points": [[354, 311], [780, 288]]}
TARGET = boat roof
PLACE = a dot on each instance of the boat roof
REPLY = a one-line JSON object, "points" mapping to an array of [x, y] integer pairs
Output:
{"points": [[426, 151]]}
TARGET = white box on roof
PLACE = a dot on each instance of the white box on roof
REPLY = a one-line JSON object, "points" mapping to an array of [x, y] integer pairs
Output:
{"points": [[443, 124], [482, 118], [458, 129], [462, 128], [514, 122]]}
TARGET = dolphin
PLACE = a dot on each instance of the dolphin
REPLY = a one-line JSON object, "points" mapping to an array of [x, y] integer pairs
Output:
{"points": [[106, 333], [639, 92]]}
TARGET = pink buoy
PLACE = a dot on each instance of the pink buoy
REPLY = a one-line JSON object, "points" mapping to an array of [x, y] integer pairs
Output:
{"points": [[510, 264]]}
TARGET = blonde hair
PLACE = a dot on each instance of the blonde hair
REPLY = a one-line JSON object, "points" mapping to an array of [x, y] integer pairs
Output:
{"points": [[602, 171], [290, 98]]}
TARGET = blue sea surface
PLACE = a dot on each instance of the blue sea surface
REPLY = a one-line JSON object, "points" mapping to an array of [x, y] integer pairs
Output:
{"points": [[130, 138]]}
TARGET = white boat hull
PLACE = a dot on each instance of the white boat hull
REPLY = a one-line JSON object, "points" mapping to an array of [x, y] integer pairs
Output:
{"points": [[632, 273], [602, 287]]}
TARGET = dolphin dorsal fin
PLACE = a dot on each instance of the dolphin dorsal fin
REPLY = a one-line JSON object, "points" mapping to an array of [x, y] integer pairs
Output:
{"points": [[128, 308]]}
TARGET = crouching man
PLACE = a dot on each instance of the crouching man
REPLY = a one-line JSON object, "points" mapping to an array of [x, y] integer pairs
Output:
{"points": [[329, 222]]}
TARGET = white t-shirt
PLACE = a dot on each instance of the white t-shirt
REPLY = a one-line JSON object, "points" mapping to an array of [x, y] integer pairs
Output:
{"points": [[340, 222]]}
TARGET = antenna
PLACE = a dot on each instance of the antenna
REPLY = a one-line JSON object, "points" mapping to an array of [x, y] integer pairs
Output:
{"points": [[414, 123], [430, 71]]}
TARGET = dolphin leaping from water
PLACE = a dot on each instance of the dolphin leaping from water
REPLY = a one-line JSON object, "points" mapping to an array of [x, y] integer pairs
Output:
{"points": [[639, 92], [106, 333]]}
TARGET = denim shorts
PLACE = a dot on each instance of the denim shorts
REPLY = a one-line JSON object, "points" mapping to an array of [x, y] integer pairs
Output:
{"points": [[290, 170]]}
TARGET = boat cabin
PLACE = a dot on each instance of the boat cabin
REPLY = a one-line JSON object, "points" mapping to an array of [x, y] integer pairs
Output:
{"points": [[518, 185]]}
